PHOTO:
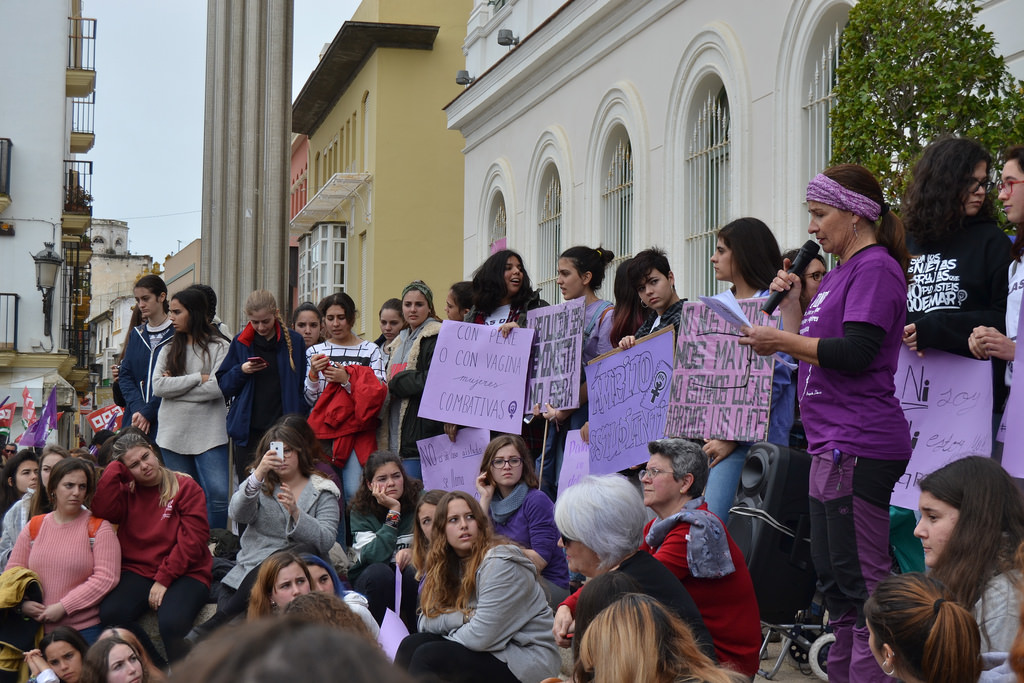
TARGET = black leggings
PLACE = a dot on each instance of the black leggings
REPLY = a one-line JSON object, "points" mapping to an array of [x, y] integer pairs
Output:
{"points": [[129, 600], [429, 653], [377, 583]]}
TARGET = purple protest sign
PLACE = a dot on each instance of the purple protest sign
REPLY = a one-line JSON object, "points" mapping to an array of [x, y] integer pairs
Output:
{"points": [[947, 401], [720, 390], [628, 397], [453, 466], [575, 461], [556, 364], [477, 377], [1012, 431]]}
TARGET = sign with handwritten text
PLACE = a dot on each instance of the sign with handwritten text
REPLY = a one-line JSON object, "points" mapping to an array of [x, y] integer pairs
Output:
{"points": [[555, 365], [947, 400], [477, 377], [453, 466], [720, 390], [575, 460], [628, 397]]}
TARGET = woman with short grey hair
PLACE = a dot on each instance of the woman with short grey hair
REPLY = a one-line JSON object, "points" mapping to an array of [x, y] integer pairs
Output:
{"points": [[693, 543], [601, 520]]}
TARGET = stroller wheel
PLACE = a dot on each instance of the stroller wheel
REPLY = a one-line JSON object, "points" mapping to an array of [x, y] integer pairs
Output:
{"points": [[819, 655]]}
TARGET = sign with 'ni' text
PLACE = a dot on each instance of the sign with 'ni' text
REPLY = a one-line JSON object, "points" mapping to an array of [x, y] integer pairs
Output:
{"points": [[947, 400], [477, 377], [720, 390], [555, 366], [453, 466], [627, 393]]}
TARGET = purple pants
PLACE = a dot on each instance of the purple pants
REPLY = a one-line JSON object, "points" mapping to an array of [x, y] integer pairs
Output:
{"points": [[849, 498]]}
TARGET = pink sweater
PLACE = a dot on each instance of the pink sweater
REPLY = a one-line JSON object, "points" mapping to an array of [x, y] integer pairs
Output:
{"points": [[71, 572]]}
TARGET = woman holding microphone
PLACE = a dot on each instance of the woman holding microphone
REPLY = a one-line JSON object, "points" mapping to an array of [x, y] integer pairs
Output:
{"points": [[848, 344]]}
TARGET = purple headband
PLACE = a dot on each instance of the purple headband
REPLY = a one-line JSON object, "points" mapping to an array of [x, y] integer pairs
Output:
{"points": [[827, 191]]}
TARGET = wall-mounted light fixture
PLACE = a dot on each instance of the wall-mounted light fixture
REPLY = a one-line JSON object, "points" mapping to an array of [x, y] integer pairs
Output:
{"points": [[506, 38], [462, 77], [48, 263]]}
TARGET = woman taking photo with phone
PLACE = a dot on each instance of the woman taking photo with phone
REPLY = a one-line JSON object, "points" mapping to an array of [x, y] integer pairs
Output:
{"points": [[166, 564], [194, 439], [284, 503], [345, 387], [265, 360]]}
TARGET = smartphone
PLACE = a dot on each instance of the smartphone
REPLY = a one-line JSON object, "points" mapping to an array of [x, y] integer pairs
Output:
{"points": [[256, 360], [278, 448]]}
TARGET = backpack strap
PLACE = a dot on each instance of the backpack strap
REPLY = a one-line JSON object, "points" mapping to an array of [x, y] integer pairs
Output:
{"points": [[36, 523], [594, 319]]}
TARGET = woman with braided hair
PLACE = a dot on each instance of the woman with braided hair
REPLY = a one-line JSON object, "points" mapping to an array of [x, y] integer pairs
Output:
{"points": [[268, 360]]}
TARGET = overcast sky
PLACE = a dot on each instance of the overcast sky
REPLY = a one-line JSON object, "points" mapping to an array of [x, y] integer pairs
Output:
{"points": [[150, 90]]}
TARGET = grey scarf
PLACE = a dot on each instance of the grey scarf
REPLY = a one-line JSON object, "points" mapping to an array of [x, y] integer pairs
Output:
{"points": [[707, 545], [502, 509]]}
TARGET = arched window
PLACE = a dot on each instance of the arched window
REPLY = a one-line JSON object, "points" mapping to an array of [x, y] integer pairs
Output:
{"points": [[617, 197], [821, 84], [707, 192], [497, 224], [549, 234]]}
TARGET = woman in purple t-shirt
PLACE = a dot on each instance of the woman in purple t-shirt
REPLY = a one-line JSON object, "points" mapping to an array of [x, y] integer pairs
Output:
{"points": [[848, 345]]}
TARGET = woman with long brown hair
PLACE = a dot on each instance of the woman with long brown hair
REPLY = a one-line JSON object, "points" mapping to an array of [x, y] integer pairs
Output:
{"points": [[484, 614], [282, 577], [194, 438]]}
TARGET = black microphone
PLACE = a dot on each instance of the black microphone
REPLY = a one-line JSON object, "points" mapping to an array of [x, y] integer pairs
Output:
{"points": [[803, 259]]}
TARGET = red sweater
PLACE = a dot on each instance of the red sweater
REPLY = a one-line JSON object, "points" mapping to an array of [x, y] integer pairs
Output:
{"points": [[158, 542], [728, 604]]}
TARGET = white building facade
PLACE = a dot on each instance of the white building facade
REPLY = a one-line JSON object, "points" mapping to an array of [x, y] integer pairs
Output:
{"points": [[632, 123], [46, 103]]}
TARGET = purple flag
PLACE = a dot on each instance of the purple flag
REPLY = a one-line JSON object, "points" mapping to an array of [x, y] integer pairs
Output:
{"points": [[35, 435]]}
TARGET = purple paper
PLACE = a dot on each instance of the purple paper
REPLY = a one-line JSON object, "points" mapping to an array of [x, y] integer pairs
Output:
{"points": [[453, 466], [477, 377], [392, 629], [1012, 431], [628, 397], [575, 461], [720, 390], [947, 401], [556, 365]]}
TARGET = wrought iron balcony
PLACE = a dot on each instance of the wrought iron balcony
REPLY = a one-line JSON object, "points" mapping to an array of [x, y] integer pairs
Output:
{"points": [[9, 321], [83, 132], [81, 72]]}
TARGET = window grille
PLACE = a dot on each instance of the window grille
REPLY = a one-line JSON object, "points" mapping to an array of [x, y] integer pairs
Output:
{"points": [[617, 198], [707, 192], [549, 244]]}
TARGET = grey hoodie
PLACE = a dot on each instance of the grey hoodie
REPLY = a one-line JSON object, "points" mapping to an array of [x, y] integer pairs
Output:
{"points": [[510, 619]]}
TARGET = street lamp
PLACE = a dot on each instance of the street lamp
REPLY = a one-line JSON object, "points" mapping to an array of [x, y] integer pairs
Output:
{"points": [[48, 262]]}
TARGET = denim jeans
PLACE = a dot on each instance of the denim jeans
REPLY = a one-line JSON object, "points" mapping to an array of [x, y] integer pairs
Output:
{"points": [[210, 469], [413, 468], [724, 481]]}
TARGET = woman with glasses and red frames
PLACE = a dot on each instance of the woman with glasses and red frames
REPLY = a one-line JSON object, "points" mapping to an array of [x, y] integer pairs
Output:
{"points": [[521, 512], [986, 341], [959, 256]]}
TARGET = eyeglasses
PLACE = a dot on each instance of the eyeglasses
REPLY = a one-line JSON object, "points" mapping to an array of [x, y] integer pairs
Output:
{"points": [[973, 184], [566, 541], [1008, 186], [652, 473], [501, 463], [10, 451], [815, 276]]}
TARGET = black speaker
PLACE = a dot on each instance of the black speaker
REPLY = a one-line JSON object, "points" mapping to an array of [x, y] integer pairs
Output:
{"points": [[770, 523]]}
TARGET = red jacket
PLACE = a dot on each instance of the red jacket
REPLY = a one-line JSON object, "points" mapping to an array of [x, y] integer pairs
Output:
{"points": [[728, 605], [350, 419], [160, 542]]}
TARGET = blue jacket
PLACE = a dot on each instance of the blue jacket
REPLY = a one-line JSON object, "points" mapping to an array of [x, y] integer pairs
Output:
{"points": [[136, 378], [237, 386]]}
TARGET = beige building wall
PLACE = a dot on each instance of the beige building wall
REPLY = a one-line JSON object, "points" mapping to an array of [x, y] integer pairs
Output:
{"points": [[389, 122], [184, 268]]}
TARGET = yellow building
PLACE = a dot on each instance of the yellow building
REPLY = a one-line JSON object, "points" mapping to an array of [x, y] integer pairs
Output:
{"points": [[385, 176]]}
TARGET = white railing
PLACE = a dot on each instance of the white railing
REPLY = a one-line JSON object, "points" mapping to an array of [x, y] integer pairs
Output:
{"points": [[549, 242], [617, 197]]}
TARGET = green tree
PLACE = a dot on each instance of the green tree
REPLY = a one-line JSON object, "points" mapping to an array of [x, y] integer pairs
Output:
{"points": [[910, 71]]}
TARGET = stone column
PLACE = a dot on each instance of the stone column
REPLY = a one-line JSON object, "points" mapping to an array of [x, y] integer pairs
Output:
{"points": [[246, 151]]}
